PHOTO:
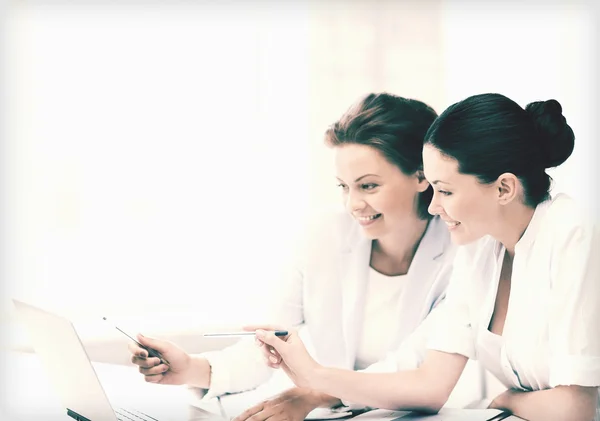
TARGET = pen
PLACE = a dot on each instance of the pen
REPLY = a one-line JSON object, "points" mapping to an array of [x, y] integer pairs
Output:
{"points": [[151, 352], [232, 334]]}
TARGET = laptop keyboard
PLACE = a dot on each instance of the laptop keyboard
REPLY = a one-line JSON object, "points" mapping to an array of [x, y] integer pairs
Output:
{"points": [[132, 415]]}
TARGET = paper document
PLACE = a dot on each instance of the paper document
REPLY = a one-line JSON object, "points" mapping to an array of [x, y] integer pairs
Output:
{"points": [[445, 414], [381, 414], [327, 414]]}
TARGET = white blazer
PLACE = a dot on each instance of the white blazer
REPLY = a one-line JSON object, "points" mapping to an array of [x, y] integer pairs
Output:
{"points": [[323, 292]]}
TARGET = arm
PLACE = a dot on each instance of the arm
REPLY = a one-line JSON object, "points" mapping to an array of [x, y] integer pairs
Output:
{"points": [[297, 402], [409, 355], [574, 403], [426, 388], [451, 343]]}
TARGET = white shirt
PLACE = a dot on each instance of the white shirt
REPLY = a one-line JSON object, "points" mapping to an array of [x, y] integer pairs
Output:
{"points": [[551, 334], [382, 307]]}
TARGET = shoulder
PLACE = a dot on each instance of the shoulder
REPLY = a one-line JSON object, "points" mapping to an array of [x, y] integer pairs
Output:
{"points": [[565, 220], [565, 208]]}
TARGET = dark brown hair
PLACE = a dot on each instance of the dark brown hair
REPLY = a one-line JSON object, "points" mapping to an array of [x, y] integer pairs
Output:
{"points": [[393, 125], [490, 134]]}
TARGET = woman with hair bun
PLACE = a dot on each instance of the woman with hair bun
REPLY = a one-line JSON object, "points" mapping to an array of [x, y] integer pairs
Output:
{"points": [[524, 296]]}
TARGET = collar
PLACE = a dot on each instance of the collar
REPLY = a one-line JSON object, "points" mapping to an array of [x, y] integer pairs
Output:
{"points": [[533, 227]]}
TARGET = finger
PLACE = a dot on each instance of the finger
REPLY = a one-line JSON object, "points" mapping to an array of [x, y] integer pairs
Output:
{"points": [[159, 369], [279, 343], [272, 363], [136, 350], [156, 378], [250, 412], [266, 353], [269, 352], [273, 351], [274, 356], [145, 362], [156, 344]]}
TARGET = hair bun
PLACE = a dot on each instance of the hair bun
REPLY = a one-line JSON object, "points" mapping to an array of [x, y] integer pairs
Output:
{"points": [[556, 136]]}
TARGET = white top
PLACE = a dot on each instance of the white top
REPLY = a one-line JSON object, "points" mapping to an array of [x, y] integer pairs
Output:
{"points": [[551, 334], [382, 307]]}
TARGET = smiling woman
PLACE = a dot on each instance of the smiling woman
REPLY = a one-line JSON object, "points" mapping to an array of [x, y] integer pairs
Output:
{"points": [[529, 257], [383, 199], [490, 145], [379, 168]]}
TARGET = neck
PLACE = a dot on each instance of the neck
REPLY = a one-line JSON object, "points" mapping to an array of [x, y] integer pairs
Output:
{"points": [[512, 224], [393, 253]]}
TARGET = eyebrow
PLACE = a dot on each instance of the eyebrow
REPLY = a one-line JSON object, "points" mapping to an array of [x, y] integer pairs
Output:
{"points": [[360, 178], [439, 181]]}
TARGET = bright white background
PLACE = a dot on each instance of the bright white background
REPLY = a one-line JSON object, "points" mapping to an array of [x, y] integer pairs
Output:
{"points": [[160, 158]]}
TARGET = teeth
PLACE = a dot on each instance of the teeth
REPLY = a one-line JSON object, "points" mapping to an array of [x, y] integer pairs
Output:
{"points": [[366, 218], [452, 224]]}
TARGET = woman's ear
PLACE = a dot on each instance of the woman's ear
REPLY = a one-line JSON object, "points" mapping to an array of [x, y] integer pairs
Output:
{"points": [[422, 183], [508, 186]]}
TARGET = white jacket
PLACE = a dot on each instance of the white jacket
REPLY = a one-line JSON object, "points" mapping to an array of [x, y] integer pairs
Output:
{"points": [[324, 293]]}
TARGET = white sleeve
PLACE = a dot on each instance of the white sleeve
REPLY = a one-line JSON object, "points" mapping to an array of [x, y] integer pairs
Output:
{"points": [[453, 331], [574, 325], [240, 367], [236, 368]]}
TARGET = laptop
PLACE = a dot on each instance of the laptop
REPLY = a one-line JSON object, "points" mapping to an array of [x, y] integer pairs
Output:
{"points": [[69, 368]]}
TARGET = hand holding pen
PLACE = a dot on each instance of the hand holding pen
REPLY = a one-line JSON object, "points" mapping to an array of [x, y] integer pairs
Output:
{"points": [[159, 361], [174, 366], [287, 352]]}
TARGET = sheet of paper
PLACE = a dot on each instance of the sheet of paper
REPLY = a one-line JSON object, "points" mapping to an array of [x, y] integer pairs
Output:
{"points": [[326, 414], [446, 414], [380, 414]]}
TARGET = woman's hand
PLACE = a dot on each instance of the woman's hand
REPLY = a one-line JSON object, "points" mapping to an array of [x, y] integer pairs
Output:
{"points": [[293, 405], [154, 370], [286, 352]]}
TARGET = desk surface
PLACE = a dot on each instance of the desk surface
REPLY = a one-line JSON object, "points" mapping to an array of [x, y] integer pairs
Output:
{"points": [[28, 395]]}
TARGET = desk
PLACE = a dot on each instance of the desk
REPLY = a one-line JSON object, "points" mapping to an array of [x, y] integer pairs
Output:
{"points": [[28, 395]]}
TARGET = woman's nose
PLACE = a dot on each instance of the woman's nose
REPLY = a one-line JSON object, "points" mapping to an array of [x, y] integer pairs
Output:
{"points": [[354, 203], [434, 207]]}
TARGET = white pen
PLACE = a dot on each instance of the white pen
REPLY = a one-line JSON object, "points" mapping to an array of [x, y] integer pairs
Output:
{"points": [[230, 334]]}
